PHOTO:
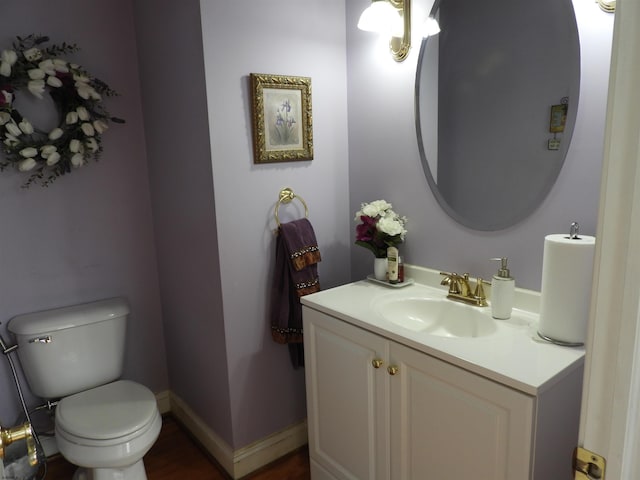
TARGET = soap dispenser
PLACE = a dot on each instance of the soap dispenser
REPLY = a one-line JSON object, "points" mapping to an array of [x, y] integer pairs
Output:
{"points": [[502, 291]]}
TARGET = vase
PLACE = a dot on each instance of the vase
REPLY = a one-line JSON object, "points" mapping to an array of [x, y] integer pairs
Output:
{"points": [[380, 268]]}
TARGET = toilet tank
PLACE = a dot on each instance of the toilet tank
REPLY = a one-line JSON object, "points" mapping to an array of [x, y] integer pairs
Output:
{"points": [[71, 349]]}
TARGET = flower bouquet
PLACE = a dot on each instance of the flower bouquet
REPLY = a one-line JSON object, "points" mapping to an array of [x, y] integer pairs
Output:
{"points": [[380, 227]]}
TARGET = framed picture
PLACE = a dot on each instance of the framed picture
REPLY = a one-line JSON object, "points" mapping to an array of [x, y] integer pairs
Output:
{"points": [[282, 120]]}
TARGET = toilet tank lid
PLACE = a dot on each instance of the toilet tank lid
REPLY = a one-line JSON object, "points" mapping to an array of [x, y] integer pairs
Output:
{"points": [[68, 317]]}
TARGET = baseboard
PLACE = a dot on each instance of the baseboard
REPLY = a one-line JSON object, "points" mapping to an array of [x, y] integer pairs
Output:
{"points": [[245, 460], [163, 399]]}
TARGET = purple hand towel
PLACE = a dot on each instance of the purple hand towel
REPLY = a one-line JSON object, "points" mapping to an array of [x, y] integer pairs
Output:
{"points": [[295, 275]]}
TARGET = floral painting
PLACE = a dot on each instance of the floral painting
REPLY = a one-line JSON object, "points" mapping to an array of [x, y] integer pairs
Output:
{"points": [[282, 120], [282, 112]]}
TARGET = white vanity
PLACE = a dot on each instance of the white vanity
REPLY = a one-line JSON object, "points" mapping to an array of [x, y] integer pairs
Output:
{"points": [[405, 384]]}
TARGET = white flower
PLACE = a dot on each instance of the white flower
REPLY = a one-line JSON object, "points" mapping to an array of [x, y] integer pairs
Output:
{"points": [[72, 117], [36, 87], [88, 129], [13, 129], [53, 158], [74, 146], [47, 150], [47, 67], [10, 140], [9, 56], [77, 160], [83, 90], [87, 91], [4, 118], [60, 65], [92, 145], [29, 152], [389, 225], [7, 59], [5, 69], [26, 164], [100, 126], [83, 114], [26, 127], [373, 209], [36, 74], [54, 82], [79, 78], [55, 134], [33, 54]]}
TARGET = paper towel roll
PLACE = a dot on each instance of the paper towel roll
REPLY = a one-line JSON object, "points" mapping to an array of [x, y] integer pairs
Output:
{"points": [[567, 270]]}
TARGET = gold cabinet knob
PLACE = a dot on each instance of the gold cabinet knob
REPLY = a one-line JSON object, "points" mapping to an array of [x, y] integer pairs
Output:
{"points": [[377, 363], [392, 369]]}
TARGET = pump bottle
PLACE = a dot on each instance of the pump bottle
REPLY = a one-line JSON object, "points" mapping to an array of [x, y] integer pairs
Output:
{"points": [[502, 291]]}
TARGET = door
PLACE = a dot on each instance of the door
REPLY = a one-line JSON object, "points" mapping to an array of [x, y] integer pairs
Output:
{"points": [[347, 398], [610, 423], [447, 423]]}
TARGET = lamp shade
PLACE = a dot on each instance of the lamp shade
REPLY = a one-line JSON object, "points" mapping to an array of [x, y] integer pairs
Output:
{"points": [[381, 17], [430, 27]]}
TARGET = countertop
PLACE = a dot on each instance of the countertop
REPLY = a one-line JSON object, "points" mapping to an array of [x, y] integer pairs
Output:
{"points": [[513, 355]]}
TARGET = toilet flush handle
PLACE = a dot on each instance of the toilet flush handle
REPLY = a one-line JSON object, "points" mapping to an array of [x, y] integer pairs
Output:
{"points": [[45, 339]]}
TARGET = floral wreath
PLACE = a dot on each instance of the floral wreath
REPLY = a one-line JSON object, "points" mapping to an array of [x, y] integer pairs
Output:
{"points": [[78, 99]]}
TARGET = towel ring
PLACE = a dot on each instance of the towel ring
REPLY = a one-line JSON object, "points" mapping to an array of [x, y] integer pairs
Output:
{"points": [[286, 196]]}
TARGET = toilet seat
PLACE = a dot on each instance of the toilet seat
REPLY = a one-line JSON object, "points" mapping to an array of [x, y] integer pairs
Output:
{"points": [[111, 414]]}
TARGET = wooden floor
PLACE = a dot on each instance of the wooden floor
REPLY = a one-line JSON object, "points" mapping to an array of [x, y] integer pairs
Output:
{"points": [[175, 456]]}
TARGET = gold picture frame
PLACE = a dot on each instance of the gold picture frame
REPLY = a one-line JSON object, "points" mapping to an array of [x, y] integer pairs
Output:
{"points": [[282, 118]]}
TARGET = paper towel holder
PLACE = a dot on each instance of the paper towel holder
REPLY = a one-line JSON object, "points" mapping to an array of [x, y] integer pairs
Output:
{"points": [[574, 231], [574, 234]]}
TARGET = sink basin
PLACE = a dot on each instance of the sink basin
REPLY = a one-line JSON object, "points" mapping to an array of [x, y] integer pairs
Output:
{"points": [[435, 316]]}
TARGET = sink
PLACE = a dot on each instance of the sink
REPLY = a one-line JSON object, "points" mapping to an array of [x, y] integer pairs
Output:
{"points": [[435, 316]]}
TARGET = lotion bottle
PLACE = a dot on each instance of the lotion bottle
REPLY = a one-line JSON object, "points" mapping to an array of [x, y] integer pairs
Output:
{"points": [[502, 291], [392, 264]]}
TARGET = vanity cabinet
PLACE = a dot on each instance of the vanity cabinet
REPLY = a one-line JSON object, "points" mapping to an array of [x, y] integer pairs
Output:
{"points": [[380, 410]]}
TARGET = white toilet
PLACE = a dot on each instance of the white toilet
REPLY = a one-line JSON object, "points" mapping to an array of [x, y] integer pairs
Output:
{"points": [[102, 424]]}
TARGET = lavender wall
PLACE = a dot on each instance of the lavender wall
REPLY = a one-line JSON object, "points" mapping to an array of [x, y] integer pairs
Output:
{"points": [[177, 126], [89, 235], [215, 293], [384, 160], [305, 38]]}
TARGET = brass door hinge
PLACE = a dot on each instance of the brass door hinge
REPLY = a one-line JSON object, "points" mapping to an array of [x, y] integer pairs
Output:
{"points": [[587, 465]]}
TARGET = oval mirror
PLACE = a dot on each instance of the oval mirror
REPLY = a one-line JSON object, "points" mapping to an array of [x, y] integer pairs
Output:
{"points": [[496, 102]]}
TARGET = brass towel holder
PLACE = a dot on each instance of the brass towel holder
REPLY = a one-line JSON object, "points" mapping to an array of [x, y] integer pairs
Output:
{"points": [[286, 196]]}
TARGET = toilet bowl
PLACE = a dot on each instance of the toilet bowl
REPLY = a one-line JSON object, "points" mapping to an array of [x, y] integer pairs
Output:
{"points": [[108, 429], [103, 424]]}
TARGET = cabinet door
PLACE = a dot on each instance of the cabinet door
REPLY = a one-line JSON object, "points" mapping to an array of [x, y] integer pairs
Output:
{"points": [[347, 404], [449, 424]]}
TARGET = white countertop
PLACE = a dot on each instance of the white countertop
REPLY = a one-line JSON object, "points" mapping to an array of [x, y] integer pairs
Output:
{"points": [[513, 355]]}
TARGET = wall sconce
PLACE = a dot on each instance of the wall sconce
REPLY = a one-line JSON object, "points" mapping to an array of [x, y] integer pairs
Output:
{"points": [[393, 18]]}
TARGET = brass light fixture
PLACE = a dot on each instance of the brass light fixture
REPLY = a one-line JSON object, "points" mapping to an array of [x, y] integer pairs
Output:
{"points": [[391, 17]]}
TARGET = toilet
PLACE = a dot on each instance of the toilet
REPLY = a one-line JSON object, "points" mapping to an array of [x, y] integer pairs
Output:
{"points": [[74, 355]]}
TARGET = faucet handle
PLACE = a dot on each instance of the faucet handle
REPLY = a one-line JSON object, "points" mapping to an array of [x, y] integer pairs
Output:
{"points": [[479, 291], [452, 280], [479, 294]]}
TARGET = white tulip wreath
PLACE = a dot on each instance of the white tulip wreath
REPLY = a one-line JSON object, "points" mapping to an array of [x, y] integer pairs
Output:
{"points": [[31, 67]]}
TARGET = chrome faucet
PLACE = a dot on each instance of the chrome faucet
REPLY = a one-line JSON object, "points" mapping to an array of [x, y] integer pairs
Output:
{"points": [[460, 290]]}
